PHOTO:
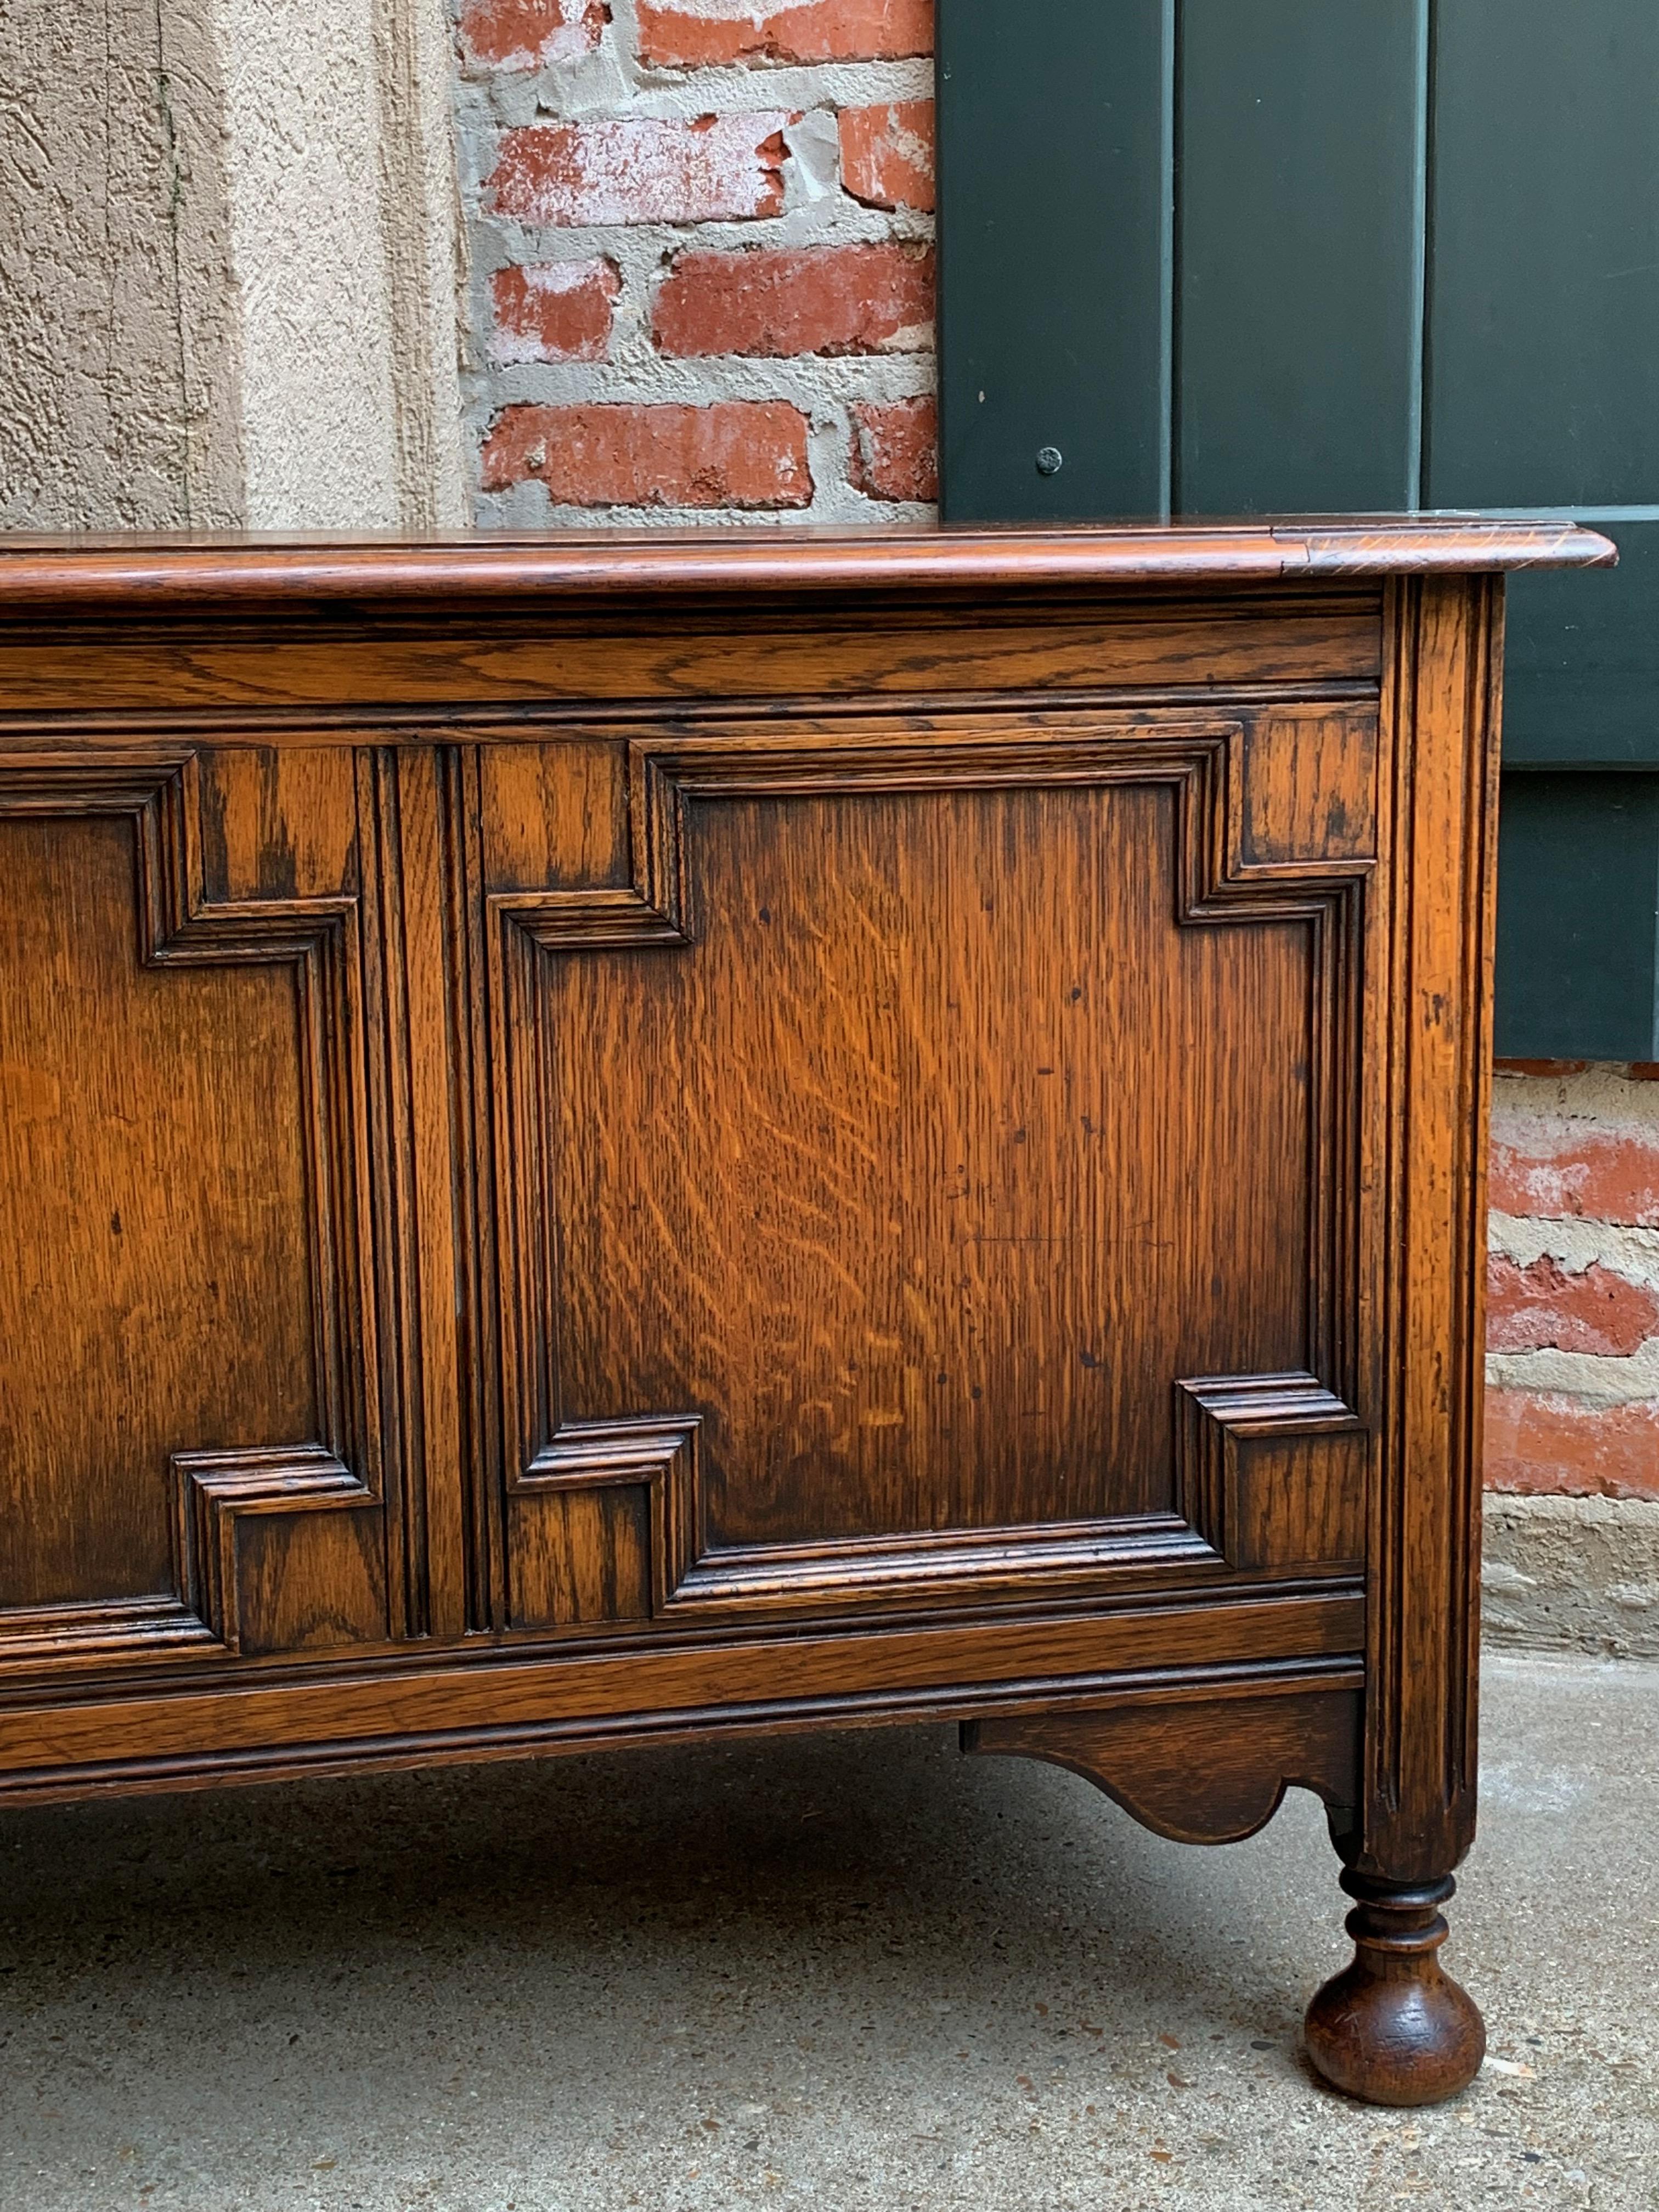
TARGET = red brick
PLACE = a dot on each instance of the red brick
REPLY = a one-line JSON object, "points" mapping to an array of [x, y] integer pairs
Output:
{"points": [[738, 454], [1542, 1306], [1550, 1446], [826, 300], [1559, 1174], [643, 169], [527, 34], [554, 311], [887, 154], [896, 450], [813, 31]]}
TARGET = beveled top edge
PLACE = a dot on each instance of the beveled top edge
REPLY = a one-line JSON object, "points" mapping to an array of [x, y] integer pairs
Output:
{"points": [[102, 570]]}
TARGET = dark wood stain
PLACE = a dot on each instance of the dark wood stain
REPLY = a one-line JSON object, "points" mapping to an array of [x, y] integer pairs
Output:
{"points": [[606, 1139]]}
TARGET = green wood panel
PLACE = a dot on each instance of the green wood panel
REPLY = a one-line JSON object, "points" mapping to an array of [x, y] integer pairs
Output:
{"points": [[1543, 344], [1578, 913], [1298, 283], [1580, 671], [1053, 157]]}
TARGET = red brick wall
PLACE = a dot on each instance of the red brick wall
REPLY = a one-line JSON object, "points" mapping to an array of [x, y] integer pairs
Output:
{"points": [[1572, 1401], [702, 237]]}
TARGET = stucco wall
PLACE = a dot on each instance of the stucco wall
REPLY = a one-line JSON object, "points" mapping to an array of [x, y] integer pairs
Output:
{"points": [[230, 257], [119, 383]]}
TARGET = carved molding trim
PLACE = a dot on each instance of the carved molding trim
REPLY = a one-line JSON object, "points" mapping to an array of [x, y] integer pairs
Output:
{"points": [[1050, 1558], [1219, 1418], [218, 1489], [659, 1457], [1441, 700]]}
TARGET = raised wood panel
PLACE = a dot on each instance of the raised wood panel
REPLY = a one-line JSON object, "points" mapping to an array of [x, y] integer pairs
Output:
{"points": [[896, 1125], [1308, 786], [555, 815], [878, 1209], [1301, 1503], [276, 823], [581, 1556], [208, 1465], [143, 1304], [599, 1523]]}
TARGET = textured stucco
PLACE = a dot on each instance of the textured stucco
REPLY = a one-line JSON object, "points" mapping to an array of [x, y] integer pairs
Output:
{"points": [[337, 142], [229, 258], [119, 393], [300, 129], [424, 244]]}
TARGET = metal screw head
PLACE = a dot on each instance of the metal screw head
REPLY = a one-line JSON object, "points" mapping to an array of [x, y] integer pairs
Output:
{"points": [[1050, 461]]}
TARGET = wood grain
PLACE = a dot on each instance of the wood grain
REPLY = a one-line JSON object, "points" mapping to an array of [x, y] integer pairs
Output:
{"points": [[904, 1207], [414, 668], [144, 1305], [482, 1703], [1142, 1753]]}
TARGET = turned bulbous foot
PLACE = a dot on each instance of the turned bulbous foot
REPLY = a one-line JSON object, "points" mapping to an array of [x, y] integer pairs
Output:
{"points": [[1394, 2028]]}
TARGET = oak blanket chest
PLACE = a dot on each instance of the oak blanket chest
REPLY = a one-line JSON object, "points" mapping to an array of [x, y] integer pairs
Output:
{"points": [[609, 1137]]}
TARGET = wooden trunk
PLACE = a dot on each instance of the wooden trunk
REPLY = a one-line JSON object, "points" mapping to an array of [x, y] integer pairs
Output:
{"points": [[612, 1138]]}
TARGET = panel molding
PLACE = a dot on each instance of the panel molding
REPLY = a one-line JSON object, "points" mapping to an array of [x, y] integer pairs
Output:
{"points": [[1203, 761], [1220, 1417], [657, 1457], [218, 1491], [216, 1494]]}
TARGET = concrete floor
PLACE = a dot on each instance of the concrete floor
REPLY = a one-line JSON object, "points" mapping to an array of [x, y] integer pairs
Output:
{"points": [[852, 1974]]}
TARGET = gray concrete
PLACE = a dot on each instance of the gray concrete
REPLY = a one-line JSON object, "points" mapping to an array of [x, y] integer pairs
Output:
{"points": [[1574, 1573], [853, 1974]]}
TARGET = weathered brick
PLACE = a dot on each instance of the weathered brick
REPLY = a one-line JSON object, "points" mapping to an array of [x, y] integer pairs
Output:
{"points": [[737, 454], [896, 450], [812, 31], [554, 311], [1542, 1306], [1543, 1445], [643, 169], [887, 154], [527, 34], [1558, 1173], [824, 300]]}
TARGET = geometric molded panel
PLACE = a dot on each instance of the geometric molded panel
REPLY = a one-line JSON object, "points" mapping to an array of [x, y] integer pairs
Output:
{"points": [[277, 1545], [264, 1572], [581, 1556], [596, 1523], [1273, 1470], [936, 1522]]}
